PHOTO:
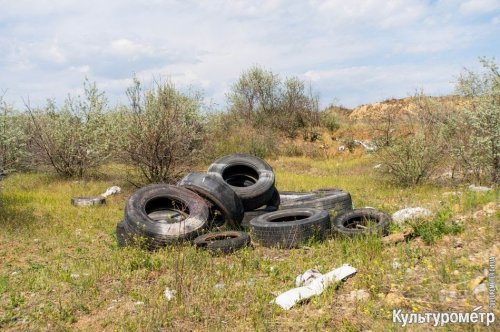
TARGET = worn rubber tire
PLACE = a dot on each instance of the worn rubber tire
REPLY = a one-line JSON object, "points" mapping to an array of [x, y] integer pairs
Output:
{"points": [[293, 196], [223, 242], [250, 177], [221, 198], [123, 234], [157, 233], [249, 215], [280, 229], [88, 201], [345, 224], [338, 201]]}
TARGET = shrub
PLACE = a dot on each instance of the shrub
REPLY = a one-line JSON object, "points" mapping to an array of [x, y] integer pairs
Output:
{"points": [[231, 134], [163, 131], [13, 139], [269, 101], [75, 138], [415, 150], [478, 152]]}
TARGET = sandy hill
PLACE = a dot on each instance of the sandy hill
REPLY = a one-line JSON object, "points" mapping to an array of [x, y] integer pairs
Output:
{"points": [[402, 106]]}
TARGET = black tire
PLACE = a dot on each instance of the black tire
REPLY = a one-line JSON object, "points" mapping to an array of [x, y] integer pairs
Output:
{"points": [[249, 215], [225, 206], [223, 242], [156, 231], [338, 201], [293, 196], [362, 222], [123, 235], [290, 228], [88, 201], [250, 177]]}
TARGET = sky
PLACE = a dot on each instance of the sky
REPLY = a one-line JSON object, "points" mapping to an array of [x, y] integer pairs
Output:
{"points": [[351, 52]]}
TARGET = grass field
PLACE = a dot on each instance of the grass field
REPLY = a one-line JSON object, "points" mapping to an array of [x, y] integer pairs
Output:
{"points": [[61, 268]]}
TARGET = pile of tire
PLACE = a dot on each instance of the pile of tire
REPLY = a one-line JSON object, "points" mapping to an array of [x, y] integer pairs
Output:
{"points": [[237, 194]]}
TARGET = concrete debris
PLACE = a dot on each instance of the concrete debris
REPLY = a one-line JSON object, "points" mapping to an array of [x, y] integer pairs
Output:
{"points": [[317, 283], [401, 216], [473, 187]]}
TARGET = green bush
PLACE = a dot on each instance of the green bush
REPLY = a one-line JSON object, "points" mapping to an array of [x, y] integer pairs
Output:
{"points": [[415, 151], [13, 139], [477, 152], [162, 131], [267, 100], [74, 138]]}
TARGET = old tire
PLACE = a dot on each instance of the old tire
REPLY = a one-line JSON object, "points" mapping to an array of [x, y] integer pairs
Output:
{"points": [[250, 177], [249, 215], [156, 231], [223, 242], [88, 201], [225, 206], [290, 228], [123, 234], [362, 222], [338, 201]]}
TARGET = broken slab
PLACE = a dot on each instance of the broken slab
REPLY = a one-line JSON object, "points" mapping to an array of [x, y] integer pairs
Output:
{"points": [[315, 284]]}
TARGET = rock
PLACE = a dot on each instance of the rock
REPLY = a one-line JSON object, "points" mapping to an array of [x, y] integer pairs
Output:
{"points": [[476, 282], [396, 237], [401, 216], [358, 295], [481, 288], [169, 293], [473, 187]]}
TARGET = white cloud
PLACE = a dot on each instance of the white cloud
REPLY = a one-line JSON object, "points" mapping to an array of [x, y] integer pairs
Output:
{"points": [[479, 6], [207, 44]]}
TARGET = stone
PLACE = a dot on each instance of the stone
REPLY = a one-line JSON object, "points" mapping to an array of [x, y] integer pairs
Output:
{"points": [[403, 215]]}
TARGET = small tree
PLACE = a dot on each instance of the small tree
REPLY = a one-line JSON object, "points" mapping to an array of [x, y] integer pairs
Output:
{"points": [[13, 140], [415, 149], [476, 129], [163, 131], [75, 138], [269, 101]]}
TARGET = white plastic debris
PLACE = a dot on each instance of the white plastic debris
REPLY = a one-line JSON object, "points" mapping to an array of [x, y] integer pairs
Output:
{"points": [[369, 146], [399, 217], [315, 284], [479, 188], [169, 294], [307, 277], [342, 148], [112, 191], [377, 166]]}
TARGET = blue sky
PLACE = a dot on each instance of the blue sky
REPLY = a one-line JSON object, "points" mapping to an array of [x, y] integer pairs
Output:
{"points": [[352, 52]]}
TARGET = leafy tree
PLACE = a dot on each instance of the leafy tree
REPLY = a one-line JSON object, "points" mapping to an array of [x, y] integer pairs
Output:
{"points": [[76, 137], [163, 131]]}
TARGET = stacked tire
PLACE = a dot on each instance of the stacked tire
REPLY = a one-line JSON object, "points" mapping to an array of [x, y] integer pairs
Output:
{"points": [[237, 192]]}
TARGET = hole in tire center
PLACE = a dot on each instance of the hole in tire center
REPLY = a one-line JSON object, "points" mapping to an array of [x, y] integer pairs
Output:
{"points": [[364, 222], [289, 218], [240, 176], [221, 237], [166, 210]]}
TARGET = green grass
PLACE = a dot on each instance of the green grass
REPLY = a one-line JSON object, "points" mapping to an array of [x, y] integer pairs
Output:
{"points": [[61, 268]]}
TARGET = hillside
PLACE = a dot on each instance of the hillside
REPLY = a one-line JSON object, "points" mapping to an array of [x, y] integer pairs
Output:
{"points": [[402, 106]]}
